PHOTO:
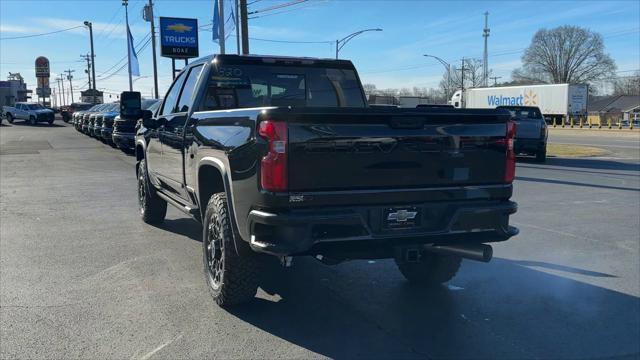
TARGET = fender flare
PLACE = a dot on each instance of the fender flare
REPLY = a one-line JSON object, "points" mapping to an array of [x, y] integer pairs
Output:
{"points": [[228, 189]]}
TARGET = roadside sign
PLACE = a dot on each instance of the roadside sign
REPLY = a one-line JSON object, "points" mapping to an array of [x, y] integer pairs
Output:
{"points": [[43, 91], [178, 38], [42, 67]]}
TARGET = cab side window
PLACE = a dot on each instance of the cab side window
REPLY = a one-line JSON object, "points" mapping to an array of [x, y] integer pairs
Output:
{"points": [[171, 99], [189, 87]]}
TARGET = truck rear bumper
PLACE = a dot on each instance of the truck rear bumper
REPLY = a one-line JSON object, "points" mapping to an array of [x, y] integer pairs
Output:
{"points": [[308, 232], [529, 146]]}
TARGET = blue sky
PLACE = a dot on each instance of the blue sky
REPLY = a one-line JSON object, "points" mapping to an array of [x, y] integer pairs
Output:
{"points": [[391, 58]]}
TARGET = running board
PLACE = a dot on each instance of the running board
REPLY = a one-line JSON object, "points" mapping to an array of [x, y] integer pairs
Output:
{"points": [[180, 206]]}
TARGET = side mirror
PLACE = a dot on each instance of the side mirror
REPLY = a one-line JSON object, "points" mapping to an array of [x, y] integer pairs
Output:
{"points": [[149, 121], [130, 105]]}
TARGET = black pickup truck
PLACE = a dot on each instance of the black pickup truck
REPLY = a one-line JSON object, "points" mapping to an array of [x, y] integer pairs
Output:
{"points": [[283, 156]]}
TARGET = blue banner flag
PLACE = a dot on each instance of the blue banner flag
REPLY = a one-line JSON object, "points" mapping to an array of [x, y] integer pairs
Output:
{"points": [[229, 24], [133, 57]]}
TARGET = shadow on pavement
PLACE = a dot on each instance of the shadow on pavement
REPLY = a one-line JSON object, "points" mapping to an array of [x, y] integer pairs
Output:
{"points": [[594, 163], [183, 226], [573, 183], [592, 172], [564, 268], [504, 309], [496, 310], [40, 124]]}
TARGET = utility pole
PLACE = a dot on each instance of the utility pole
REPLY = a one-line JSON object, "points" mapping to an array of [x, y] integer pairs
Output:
{"points": [[495, 79], [245, 27], [148, 16], [59, 92], [69, 77], [93, 60], [485, 60], [88, 70], [221, 20], [61, 79], [125, 3], [462, 69], [237, 4]]}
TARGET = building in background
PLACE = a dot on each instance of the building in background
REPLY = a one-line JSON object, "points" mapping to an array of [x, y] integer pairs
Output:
{"points": [[87, 96], [13, 90], [614, 109], [413, 101]]}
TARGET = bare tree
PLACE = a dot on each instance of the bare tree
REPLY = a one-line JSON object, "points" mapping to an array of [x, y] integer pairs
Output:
{"points": [[566, 54], [627, 85], [369, 89], [472, 76]]}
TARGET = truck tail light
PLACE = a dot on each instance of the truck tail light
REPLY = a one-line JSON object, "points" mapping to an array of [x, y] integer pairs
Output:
{"points": [[510, 166], [273, 168], [543, 130]]}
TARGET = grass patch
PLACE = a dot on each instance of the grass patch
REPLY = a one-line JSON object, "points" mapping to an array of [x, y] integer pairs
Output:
{"points": [[567, 150]]}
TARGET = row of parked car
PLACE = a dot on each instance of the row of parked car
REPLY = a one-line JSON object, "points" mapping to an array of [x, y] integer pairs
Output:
{"points": [[103, 122]]}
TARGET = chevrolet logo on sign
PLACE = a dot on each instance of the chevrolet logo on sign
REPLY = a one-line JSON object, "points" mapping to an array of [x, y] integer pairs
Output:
{"points": [[179, 28]]}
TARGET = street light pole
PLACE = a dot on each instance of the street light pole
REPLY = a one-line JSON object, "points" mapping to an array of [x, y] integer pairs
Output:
{"points": [[342, 42], [447, 68], [93, 60]]}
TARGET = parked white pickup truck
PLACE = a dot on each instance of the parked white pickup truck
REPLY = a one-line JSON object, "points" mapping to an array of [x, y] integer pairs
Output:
{"points": [[31, 112]]}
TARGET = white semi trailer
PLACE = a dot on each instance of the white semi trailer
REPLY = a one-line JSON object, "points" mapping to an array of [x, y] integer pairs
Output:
{"points": [[555, 101]]}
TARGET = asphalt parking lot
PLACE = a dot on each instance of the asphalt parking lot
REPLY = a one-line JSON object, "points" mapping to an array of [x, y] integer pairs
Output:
{"points": [[82, 277]]}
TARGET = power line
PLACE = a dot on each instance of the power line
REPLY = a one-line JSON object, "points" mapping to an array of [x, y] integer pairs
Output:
{"points": [[286, 11], [292, 42], [146, 37], [279, 6], [125, 64], [110, 23], [42, 34]]}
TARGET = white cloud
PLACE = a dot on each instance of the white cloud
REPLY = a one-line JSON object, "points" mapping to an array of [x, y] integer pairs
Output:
{"points": [[16, 29]]}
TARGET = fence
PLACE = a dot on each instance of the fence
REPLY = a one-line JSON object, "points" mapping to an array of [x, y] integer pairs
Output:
{"points": [[599, 121]]}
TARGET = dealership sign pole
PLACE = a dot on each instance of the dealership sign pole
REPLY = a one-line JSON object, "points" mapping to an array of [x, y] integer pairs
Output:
{"points": [[42, 75], [178, 39]]}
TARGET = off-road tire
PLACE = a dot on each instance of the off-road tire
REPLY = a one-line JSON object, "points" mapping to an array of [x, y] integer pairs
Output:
{"points": [[433, 269], [541, 156], [10, 118], [153, 209], [231, 276]]}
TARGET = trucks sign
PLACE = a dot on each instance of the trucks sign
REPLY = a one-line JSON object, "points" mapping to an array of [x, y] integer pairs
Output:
{"points": [[178, 37]]}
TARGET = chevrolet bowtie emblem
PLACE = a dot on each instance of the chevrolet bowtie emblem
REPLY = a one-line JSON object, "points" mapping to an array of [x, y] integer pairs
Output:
{"points": [[179, 28], [402, 215]]}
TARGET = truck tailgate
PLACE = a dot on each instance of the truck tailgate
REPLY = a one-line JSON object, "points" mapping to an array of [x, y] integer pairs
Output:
{"points": [[395, 148], [528, 129]]}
